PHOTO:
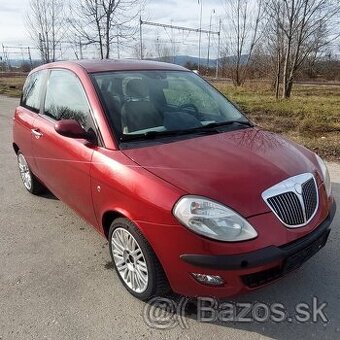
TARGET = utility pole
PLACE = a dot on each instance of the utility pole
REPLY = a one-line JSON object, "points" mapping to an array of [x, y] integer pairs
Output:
{"points": [[54, 45], [61, 56], [118, 47], [4, 57], [7, 62], [47, 48], [141, 37], [22, 54], [30, 57], [41, 48], [218, 48], [80, 49], [209, 37], [200, 36], [173, 44]]}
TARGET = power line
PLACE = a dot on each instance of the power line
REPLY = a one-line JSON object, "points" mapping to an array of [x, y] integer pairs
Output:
{"points": [[181, 28], [188, 29]]}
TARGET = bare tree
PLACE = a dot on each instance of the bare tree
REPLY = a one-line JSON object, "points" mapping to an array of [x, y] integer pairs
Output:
{"points": [[273, 46], [164, 52], [136, 50], [242, 30], [105, 22], [300, 28], [45, 23]]}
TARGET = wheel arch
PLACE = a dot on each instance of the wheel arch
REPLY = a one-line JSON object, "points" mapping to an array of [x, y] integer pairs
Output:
{"points": [[107, 219], [112, 215], [15, 148]]}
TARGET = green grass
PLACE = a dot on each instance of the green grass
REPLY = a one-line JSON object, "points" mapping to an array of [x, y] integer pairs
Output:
{"points": [[310, 117], [11, 86]]}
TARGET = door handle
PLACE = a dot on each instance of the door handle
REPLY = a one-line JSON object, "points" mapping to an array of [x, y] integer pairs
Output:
{"points": [[36, 133]]}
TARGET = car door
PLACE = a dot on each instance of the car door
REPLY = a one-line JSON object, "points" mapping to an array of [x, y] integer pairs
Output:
{"points": [[63, 163], [25, 115]]}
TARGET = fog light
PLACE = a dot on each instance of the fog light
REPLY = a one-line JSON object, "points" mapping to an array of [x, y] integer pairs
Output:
{"points": [[213, 280]]}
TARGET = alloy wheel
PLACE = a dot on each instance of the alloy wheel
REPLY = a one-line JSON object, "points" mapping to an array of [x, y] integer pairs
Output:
{"points": [[129, 260], [25, 172]]}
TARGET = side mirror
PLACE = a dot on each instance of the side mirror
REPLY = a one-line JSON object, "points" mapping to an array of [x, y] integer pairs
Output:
{"points": [[72, 129]]}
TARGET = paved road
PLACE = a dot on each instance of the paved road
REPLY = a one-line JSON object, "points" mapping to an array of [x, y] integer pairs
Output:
{"points": [[56, 281]]}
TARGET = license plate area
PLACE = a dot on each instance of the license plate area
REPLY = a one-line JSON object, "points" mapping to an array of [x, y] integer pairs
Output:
{"points": [[294, 261]]}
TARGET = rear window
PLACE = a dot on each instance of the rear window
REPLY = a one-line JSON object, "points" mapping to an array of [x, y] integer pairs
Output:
{"points": [[31, 93]]}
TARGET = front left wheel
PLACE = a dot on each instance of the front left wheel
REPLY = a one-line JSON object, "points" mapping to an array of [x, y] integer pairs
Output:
{"points": [[135, 262]]}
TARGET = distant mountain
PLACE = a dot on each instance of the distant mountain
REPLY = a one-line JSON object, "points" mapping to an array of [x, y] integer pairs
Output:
{"points": [[185, 59], [16, 63], [182, 60]]}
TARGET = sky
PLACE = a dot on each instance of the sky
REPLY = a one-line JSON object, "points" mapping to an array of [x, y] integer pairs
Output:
{"points": [[178, 12]]}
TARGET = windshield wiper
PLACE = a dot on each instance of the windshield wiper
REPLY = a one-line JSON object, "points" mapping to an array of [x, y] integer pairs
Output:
{"points": [[170, 133], [229, 122], [204, 129]]}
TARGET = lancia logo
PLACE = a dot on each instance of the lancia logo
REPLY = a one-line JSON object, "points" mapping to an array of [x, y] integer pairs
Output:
{"points": [[298, 188]]}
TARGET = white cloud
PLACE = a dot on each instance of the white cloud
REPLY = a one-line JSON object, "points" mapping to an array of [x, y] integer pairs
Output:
{"points": [[12, 28]]}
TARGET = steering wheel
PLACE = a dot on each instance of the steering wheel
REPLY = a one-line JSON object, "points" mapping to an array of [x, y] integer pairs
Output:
{"points": [[192, 109]]}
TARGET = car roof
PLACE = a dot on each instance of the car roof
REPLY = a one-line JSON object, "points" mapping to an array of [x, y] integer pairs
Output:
{"points": [[95, 65]]}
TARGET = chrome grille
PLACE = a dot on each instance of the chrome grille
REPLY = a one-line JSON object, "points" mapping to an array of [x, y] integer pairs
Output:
{"points": [[288, 208], [294, 201], [309, 195]]}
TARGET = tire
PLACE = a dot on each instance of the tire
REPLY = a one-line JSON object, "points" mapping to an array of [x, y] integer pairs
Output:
{"points": [[30, 182], [140, 271]]}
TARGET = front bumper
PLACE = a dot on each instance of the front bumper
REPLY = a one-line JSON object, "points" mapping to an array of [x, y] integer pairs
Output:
{"points": [[266, 255], [243, 266], [287, 257]]}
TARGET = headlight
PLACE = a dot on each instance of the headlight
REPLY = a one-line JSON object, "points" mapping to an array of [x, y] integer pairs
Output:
{"points": [[213, 220], [325, 175]]}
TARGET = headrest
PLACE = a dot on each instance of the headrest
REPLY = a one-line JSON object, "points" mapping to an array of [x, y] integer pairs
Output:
{"points": [[137, 88], [117, 86], [105, 84]]}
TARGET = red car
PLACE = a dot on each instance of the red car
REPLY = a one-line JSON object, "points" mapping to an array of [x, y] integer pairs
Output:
{"points": [[191, 195]]}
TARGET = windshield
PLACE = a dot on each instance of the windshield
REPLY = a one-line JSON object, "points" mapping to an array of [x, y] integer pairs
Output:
{"points": [[142, 104]]}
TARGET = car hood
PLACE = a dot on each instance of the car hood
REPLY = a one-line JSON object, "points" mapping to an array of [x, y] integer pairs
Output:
{"points": [[233, 168]]}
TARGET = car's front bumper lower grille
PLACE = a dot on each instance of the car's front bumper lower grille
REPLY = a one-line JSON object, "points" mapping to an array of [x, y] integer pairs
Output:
{"points": [[290, 263]]}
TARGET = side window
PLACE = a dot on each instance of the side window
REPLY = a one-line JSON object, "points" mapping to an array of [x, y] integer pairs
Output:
{"points": [[66, 99], [31, 93]]}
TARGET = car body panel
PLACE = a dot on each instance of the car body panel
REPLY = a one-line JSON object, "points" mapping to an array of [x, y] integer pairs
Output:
{"points": [[22, 133], [233, 168], [122, 185], [63, 165]]}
